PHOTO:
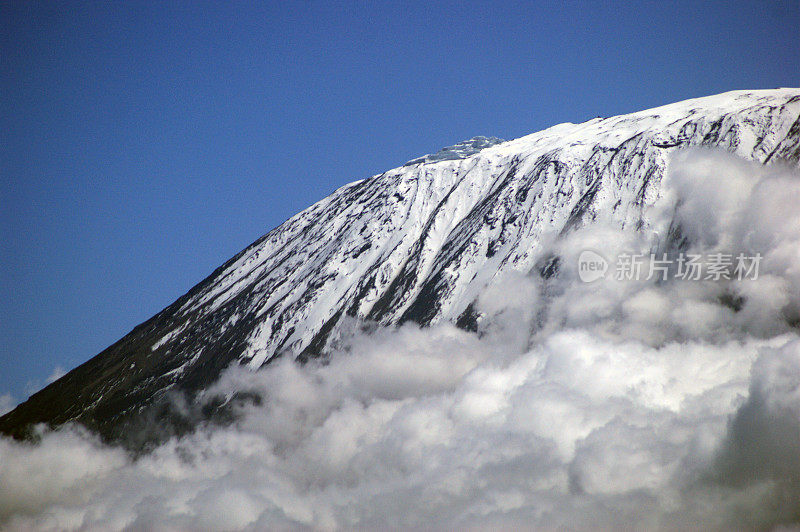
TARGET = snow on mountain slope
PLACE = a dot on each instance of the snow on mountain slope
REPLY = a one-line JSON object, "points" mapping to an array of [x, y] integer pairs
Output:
{"points": [[417, 243]]}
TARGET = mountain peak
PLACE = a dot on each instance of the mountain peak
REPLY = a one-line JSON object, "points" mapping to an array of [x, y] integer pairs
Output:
{"points": [[460, 150]]}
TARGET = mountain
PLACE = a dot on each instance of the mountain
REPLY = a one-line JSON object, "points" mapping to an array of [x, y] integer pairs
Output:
{"points": [[417, 243]]}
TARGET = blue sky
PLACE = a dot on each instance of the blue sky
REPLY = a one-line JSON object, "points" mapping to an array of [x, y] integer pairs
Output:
{"points": [[144, 144]]}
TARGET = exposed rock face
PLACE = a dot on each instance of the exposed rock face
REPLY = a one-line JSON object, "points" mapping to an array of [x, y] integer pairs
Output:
{"points": [[417, 243]]}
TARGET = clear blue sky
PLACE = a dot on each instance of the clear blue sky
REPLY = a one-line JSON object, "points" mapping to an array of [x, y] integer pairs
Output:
{"points": [[144, 144]]}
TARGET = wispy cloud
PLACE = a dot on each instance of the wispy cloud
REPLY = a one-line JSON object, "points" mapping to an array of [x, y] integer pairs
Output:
{"points": [[57, 373], [7, 403]]}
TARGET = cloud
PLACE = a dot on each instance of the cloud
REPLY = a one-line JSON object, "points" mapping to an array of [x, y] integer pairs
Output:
{"points": [[57, 373], [7, 403], [576, 405], [762, 447], [565, 434]]}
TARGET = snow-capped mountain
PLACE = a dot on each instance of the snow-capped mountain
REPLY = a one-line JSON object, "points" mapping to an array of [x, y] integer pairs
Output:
{"points": [[417, 243]]}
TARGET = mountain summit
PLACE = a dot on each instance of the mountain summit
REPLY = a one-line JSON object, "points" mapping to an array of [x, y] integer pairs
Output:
{"points": [[460, 150], [417, 243]]}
